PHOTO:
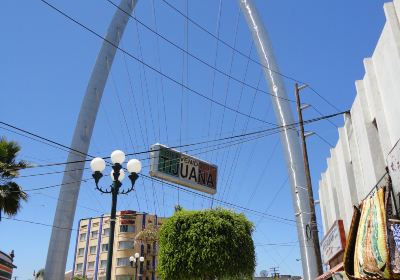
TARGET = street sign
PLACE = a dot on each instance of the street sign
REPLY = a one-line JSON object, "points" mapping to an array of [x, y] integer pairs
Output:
{"points": [[176, 167]]}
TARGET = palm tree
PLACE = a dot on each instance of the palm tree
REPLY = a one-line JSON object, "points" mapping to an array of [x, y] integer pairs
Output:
{"points": [[11, 194]]}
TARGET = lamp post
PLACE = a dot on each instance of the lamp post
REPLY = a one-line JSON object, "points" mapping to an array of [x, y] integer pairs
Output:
{"points": [[134, 260], [117, 175]]}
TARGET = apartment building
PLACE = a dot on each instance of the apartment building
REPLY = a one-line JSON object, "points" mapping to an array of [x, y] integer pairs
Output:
{"points": [[92, 247]]}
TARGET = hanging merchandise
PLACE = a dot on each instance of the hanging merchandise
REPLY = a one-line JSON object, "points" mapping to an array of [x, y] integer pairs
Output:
{"points": [[373, 247], [371, 252], [349, 253], [393, 227]]}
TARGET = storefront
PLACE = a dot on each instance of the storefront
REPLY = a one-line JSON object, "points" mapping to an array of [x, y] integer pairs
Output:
{"points": [[332, 250], [6, 265]]}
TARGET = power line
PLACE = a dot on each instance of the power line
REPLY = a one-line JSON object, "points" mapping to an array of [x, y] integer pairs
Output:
{"points": [[290, 244], [73, 229], [277, 218], [148, 65], [246, 56], [224, 145], [256, 212], [238, 150], [227, 44], [44, 139], [38, 223], [273, 199], [55, 186], [324, 140], [146, 90], [320, 113], [226, 98], [213, 79], [263, 172], [288, 126], [196, 57], [181, 189], [323, 98], [51, 173], [58, 199], [46, 225]]}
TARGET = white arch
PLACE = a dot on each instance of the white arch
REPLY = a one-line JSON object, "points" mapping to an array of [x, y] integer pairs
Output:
{"points": [[66, 206], [289, 138]]}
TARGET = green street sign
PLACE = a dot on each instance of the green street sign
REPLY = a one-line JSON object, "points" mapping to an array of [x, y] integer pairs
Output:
{"points": [[176, 167]]}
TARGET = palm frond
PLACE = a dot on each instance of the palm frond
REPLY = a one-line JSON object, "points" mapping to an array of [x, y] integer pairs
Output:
{"points": [[11, 196]]}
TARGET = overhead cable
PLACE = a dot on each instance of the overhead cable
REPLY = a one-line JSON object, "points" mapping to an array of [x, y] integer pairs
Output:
{"points": [[148, 65]]}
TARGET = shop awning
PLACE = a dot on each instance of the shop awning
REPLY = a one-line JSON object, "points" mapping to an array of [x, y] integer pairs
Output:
{"points": [[329, 273]]}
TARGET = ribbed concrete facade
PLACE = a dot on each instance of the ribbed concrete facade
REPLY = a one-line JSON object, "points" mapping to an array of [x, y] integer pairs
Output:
{"points": [[92, 247], [370, 131]]}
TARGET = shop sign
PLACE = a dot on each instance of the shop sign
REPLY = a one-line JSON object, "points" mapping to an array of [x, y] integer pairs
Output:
{"points": [[128, 212], [334, 242], [127, 222], [176, 167]]}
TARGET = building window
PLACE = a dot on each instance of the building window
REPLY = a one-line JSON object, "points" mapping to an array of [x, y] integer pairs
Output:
{"points": [[81, 251], [123, 262], [127, 228], [103, 263], [79, 267], [90, 265], [92, 250], [96, 224], [124, 245], [95, 234], [104, 247], [82, 237], [106, 231]]}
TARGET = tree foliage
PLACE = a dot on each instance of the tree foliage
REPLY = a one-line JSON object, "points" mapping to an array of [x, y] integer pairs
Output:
{"points": [[11, 193], [148, 235], [207, 244]]}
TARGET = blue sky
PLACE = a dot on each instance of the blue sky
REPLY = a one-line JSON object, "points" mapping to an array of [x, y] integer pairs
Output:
{"points": [[47, 61]]}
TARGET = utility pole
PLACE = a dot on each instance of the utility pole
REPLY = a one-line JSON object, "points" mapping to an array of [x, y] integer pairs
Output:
{"points": [[313, 220], [275, 272]]}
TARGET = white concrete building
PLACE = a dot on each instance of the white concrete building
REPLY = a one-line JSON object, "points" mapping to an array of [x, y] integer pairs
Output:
{"points": [[370, 131]]}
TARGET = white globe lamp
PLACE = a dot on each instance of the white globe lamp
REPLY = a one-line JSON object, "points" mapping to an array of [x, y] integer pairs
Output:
{"points": [[97, 164], [117, 157], [134, 166], [120, 177]]}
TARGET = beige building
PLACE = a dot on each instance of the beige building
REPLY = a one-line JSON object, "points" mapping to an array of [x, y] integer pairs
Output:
{"points": [[92, 247]]}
